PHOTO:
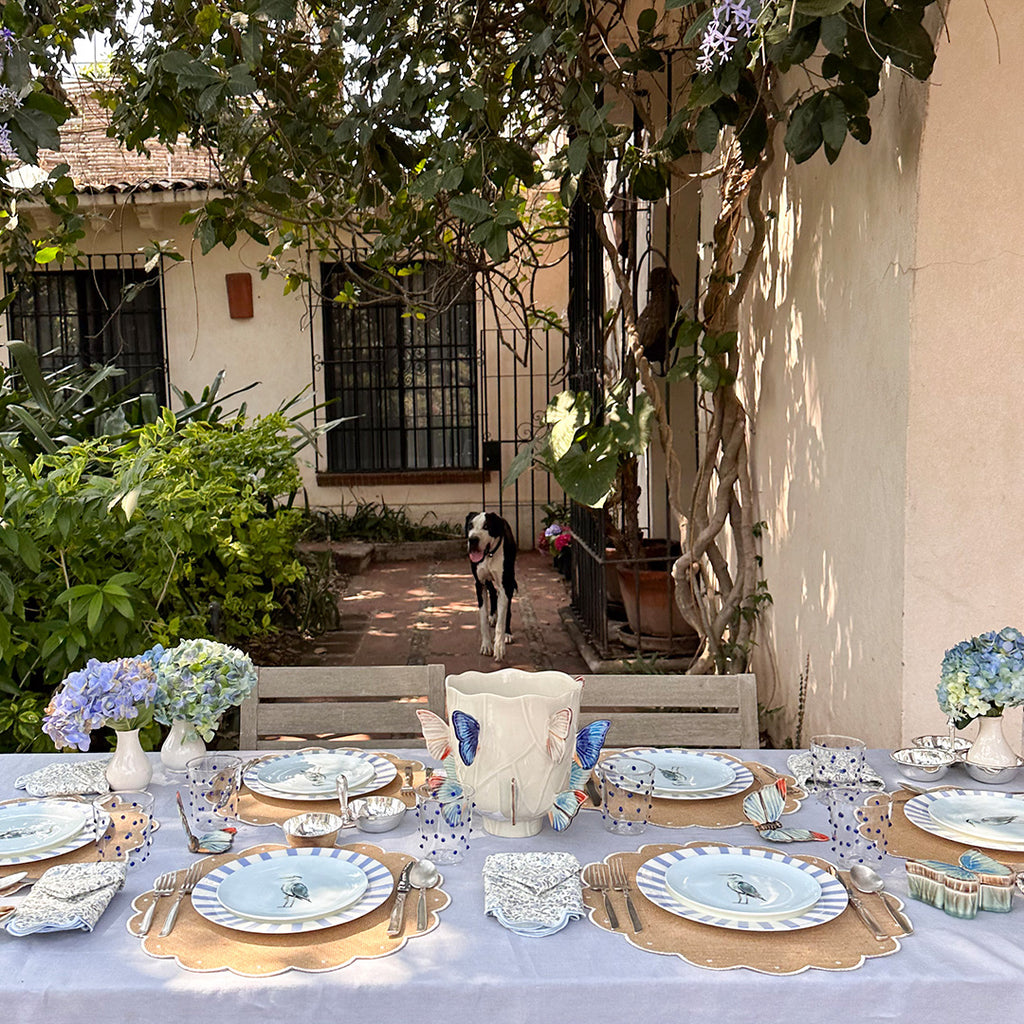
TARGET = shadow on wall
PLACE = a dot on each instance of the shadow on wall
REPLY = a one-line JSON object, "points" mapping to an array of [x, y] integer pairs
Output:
{"points": [[826, 383]]}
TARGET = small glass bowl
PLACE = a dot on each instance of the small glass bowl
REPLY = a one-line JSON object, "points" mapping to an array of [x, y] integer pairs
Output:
{"points": [[378, 813], [923, 764], [958, 747], [314, 828]]}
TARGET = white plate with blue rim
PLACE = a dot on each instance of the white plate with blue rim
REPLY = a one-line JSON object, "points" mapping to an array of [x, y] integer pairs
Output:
{"points": [[970, 816], [32, 830], [313, 774], [292, 891], [741, 887], [751, 865], [681, 774]]}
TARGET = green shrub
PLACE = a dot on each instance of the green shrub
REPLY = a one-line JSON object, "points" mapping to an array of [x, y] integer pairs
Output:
{"points": [[381, 523], [112, 544]]}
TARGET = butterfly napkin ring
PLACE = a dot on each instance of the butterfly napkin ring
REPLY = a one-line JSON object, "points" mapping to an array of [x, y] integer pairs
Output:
{"points": [[764, 808]]}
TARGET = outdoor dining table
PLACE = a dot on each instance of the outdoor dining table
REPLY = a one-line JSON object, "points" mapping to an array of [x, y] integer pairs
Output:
{"points": [[471, 968]]}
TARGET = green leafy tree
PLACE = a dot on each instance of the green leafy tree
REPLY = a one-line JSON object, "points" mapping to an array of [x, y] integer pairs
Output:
{"points": [[463, 132]]}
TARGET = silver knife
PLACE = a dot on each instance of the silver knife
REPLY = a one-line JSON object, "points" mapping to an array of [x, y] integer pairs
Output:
{"points": [[398, 911], [862, 911]]}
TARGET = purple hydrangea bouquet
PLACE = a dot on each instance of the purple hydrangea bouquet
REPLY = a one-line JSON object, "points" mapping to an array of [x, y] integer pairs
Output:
{"points": [[118, 694]]}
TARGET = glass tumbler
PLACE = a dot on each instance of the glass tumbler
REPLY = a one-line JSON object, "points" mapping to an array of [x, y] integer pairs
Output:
{"points": [[445, 815], [859, 834], [129, 837], [213, 784], [626, 787], [836, 760]]}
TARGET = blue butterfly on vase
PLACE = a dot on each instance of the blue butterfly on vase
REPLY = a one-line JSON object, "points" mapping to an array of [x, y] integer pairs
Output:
{"points": [[589, 741], [764, 808]]}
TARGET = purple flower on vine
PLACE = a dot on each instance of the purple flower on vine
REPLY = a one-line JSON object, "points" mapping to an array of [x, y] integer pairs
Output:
{"points": [[7, 40], [731, 20], [6, 146]]}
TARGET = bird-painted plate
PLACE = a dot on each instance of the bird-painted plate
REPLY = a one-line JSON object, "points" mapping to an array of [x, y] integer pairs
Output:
{"points": [[750, 863], [312, 866], [291, 888], [32, 830], [731, 885], [970, 816], [382, 771], [313, 774], [694, 774]]}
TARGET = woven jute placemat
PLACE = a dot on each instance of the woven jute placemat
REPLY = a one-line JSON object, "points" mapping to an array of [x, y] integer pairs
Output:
{"points": [[256, 809], [112, 842], [908, 841], [199, 945], [841, 944]]}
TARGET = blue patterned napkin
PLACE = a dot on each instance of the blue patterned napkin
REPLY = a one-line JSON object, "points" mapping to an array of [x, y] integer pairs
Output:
{"points": [[68, 897], [533, 894], [66, 778]]}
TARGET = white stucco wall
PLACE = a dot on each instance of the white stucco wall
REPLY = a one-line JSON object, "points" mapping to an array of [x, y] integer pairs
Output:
{"points": [[965, 494], [826, 382]]}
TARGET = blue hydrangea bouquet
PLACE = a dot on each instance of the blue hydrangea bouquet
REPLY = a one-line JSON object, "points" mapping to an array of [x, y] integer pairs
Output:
{"points": [[982, 676], [198, 681], [119, 694]]}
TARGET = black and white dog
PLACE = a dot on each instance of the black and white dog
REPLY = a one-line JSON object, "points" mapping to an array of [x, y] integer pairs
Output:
{"points": [[492, 552]]}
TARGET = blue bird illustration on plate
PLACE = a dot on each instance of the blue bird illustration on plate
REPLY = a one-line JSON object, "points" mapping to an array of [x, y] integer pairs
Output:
{"points": [[995, 819], [294, 889], [676, 775], [745, 891]]}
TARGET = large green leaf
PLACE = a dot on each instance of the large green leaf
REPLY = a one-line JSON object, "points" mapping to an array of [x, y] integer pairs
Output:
{"points": [[587, 476], [470, 208]]}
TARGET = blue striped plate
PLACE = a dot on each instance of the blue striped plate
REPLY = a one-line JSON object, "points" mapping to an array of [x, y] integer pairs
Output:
{"points": [[710, 776], [651, 881], [383, 772], [379, 885]]}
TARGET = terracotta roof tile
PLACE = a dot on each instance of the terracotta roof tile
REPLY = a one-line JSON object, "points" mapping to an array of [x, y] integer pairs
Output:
{"points": [[99, 164]]}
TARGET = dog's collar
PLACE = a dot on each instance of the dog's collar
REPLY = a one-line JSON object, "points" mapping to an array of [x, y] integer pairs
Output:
{"points": [[501, 540]]}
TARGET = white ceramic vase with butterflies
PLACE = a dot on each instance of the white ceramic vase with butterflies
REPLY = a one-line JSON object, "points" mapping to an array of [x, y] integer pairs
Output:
{"points": [[511, 738]]}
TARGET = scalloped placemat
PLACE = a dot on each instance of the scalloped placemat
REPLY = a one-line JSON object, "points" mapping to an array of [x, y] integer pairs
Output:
{"points": [[842, 944], [197, 944], [256, 809], [90, 853]]}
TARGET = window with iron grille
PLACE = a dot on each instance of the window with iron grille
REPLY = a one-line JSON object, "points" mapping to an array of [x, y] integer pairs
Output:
{"points": [[84, 316], [410, 383]]}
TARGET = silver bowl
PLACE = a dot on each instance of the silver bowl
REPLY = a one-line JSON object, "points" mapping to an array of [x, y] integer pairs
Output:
{"points": [[922, 764], [992, 776], [314, 828], [378, 813], [958, 747]]}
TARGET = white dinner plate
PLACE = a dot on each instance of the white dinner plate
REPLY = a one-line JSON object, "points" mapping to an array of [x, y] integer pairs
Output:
{"points": [[731, 885], [293, 861], [383, 771], [965, 816], [651, 881], [28, 827], [41, 829], [315, 773], [694, 774], [290, 888]]}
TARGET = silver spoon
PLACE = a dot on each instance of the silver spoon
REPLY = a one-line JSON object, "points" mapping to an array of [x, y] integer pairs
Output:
{"points": [[866, 879], [423, 876]]}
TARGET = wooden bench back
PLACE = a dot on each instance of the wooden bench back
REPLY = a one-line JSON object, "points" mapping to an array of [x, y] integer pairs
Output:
{"points": [[674, 710], [340, 706]]}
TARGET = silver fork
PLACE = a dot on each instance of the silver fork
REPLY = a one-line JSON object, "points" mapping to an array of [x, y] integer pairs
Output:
{"points": [[597, 878], [620, 883], [191, 877], [163, 886]]}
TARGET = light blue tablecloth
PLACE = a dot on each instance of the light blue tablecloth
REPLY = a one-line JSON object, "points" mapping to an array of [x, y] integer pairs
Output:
{"points": [[472, 969]]}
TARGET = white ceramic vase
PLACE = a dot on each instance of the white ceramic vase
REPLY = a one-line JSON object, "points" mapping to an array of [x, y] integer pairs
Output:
{"points": [[518, 768], [129, 767], [990, 748], [181, 745]]}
